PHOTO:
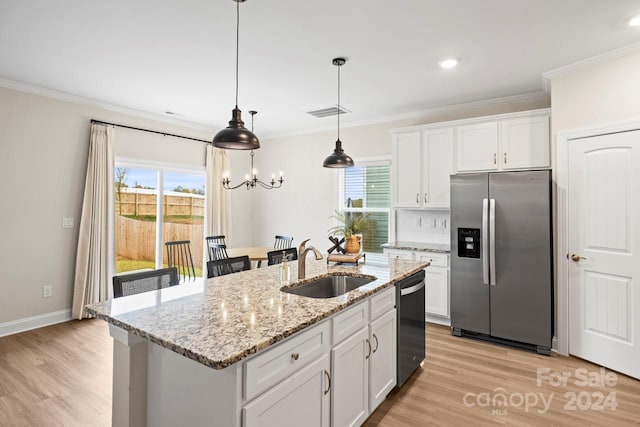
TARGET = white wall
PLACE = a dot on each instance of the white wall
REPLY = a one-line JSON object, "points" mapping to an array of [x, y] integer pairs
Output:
{"points": [[43, 157]]}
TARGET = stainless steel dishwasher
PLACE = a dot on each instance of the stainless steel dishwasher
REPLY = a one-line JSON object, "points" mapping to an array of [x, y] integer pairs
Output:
{"points": [[410, 302]]}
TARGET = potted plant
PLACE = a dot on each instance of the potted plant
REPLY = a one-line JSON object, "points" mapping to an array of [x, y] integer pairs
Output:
{"points": [[351, 227]]}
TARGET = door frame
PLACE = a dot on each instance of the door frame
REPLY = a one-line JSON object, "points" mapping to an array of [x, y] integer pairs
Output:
{"points": [[563, 139]]}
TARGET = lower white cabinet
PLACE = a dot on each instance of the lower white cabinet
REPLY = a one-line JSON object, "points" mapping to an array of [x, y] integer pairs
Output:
{"points": [[436, 280], [382, 362], [437, 291], [351, 380], [303, 399]]}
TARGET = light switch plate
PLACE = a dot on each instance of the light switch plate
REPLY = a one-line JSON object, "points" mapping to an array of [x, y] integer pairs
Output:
{"points": [[67, 222]]}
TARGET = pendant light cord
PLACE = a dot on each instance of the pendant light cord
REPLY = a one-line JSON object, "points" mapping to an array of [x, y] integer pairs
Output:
{"points": [[339, 102], [237, 45]]}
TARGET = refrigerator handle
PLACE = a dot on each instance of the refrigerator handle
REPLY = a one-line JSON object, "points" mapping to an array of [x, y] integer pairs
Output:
{"points": [[492, 241], [485, 242]]}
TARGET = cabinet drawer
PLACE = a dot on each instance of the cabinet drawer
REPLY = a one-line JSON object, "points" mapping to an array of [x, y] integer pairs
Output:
{"points": [[382, 302], [274, 365], [396, 254], [436, 260], [350, 321]]}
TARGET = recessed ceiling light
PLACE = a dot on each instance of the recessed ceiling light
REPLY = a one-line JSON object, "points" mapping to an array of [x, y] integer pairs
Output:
{"points": [[635, 21], [449, 63]]}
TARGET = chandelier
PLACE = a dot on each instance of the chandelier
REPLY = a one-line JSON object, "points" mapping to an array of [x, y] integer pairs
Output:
{"points": [[251, 180]]}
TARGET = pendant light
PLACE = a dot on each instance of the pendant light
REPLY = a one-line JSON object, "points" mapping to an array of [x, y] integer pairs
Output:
{"points": [[338, 159], [236, 136], [251, 180]]}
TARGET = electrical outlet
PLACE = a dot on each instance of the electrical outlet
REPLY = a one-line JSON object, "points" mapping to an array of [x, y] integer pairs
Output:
{"points": [[67, 222], [47, 291]]}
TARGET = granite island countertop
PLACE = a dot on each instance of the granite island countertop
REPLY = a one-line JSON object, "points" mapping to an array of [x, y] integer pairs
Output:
{"points": [[444, 248], [223, 320]]}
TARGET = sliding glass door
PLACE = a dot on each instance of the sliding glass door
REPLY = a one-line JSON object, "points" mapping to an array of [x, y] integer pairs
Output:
{"points": [[145, 193]]}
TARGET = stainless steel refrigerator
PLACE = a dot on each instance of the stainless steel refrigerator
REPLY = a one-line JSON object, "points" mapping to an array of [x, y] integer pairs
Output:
{"points": [[501, 258]]}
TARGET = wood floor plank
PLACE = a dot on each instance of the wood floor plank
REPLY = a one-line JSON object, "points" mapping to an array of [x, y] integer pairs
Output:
{"points": [[61, 376]]}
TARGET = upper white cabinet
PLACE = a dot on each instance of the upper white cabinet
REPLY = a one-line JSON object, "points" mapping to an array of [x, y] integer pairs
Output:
{"points": [[520, 142], [407, 170], [525, 143], [477, 147], [425, 156], [422, 163]]}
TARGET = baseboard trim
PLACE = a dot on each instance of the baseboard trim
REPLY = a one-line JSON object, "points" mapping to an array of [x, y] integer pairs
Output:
{"points": [[438, 320], [34, 322]]}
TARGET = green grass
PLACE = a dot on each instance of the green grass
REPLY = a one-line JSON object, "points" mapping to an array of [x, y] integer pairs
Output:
{"points": [[130, 265]]}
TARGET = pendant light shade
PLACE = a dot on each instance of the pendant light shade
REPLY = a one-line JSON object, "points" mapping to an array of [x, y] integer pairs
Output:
{"points": [[236, 136], [338, 159]]}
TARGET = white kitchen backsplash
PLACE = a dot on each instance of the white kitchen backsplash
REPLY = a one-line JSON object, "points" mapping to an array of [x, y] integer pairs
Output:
{"points": [[422, 226]]}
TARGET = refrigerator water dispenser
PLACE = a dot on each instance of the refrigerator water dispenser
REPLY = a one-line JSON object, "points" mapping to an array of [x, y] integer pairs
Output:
{"points": [[469, 242]]}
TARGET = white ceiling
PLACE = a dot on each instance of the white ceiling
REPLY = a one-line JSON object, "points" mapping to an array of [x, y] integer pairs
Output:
{"points": [[161, 55]]}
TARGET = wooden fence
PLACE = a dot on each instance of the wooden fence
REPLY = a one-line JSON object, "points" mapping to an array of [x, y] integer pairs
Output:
{"points": [[144, 204], [137, 239]]}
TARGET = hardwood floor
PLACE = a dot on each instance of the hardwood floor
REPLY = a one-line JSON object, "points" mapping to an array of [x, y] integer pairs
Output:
{"points": [[61, 376], [459, 367]]}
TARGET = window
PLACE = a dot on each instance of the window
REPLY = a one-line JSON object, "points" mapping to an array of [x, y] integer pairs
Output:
{"points": [[366, 188], [144, 193]]}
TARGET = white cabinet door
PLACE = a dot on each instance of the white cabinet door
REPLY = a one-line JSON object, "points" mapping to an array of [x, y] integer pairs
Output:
{"points": [[349, 396], [437, 291], [382, 363], [524, 143], [406, 159], [477, 147], [303, 399], [437, 166]]}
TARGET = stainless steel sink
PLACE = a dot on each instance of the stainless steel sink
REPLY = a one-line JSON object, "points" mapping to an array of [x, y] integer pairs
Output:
{"points": [[329, 286]]}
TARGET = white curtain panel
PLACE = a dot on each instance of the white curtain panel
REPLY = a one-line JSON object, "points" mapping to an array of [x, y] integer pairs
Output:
{"points": [[217, 198], [95, 259]]}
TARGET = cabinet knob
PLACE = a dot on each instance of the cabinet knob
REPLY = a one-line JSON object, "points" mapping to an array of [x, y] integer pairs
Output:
{"points": [[295, 356]]}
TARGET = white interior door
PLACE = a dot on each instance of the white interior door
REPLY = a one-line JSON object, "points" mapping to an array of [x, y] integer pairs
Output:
{"points": [[603, 213]]}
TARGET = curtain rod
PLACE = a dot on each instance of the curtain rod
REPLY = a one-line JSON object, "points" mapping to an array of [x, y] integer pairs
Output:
{"points": [[150, 131]]}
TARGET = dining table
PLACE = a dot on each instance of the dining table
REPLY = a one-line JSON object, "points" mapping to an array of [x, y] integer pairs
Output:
{"points": [[255, 253]]}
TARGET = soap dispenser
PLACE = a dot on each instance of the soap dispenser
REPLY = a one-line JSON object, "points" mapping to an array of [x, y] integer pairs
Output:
{"points": [[285, 270]]}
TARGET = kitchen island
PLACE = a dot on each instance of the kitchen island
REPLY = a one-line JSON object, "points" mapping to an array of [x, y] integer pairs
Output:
{"points": [[189, 354]]}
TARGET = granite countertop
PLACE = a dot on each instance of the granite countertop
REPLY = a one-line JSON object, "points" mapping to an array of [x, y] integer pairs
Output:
{"points": [[220, 321], [444, 248]]}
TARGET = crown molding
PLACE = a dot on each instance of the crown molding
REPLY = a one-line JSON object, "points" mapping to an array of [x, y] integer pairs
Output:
{"points": [[548, 76], [91, 102], [531, 96]]}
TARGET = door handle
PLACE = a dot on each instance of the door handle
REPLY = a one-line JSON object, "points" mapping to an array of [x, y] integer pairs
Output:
{"points": [[328, 381], [494, 158], [411, 289], [426, 199], [492, 242], [576, 257], [485, 241], [417, 198], [375, 338], [505, 157], [369, 344]]}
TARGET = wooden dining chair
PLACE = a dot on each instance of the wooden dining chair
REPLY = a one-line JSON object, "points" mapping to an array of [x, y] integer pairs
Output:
{"points": [[214, 240], [276, 257], [179, 256], [217, 251], [144, 281], [221, 267], [283, 242]]}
